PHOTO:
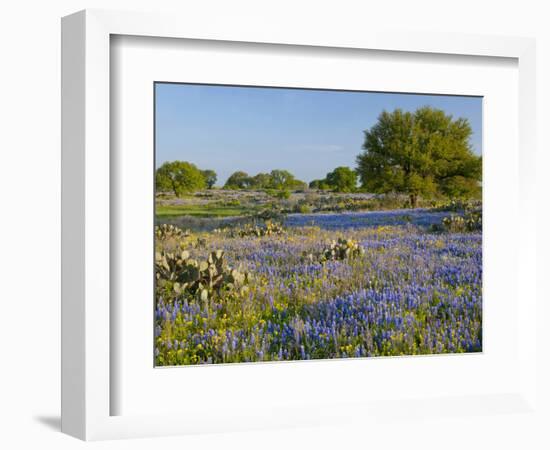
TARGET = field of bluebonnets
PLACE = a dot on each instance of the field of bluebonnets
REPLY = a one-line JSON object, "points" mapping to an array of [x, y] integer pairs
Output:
{"points": [[325, 285]]}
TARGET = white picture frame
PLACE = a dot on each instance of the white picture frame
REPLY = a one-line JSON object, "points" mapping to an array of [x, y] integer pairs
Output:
{"points": [[87, 383]]}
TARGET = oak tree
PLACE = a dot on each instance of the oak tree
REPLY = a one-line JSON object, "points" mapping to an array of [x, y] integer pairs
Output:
{"points": [[421, 153], [180, 177]]}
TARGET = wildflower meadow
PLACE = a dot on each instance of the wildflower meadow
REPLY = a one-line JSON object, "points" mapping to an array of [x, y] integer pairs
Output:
{"points": [[323, 286]]}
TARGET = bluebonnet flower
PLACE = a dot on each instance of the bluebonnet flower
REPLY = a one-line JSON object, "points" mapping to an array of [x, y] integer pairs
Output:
{"points": [[411, 292]]}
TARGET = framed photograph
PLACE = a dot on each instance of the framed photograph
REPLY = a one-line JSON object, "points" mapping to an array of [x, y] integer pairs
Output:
{"points": [[335, 240], [289, 228]]}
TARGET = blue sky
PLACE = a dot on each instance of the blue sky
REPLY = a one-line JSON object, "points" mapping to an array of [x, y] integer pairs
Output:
{"points": [[308, 132]]}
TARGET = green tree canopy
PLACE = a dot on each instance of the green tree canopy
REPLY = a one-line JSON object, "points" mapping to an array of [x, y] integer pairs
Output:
{"points": [[342, 179], [210, 177], [261, 181], [425, 152], [238, 180], [319, 184], [163, 181], [280, 178], [179, 177], [277, 179], [296, 185], [283, 179]]}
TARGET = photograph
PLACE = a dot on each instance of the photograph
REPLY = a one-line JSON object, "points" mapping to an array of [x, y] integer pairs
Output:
{"points": [[298, 224]]}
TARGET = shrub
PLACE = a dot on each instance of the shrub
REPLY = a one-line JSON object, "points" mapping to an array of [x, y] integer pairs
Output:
{"points": [[269, 214], [304, 208], [233, 202], [283, 194]]}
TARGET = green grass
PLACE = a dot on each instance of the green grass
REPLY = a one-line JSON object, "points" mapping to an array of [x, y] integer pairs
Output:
{"points": [[201, 210]]}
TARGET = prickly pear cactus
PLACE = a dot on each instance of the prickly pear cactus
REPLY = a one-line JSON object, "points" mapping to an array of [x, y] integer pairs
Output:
{"points": [[267, 229], [179, 275], [342, 249], [338, 250], [165, 232], [471, 221]]}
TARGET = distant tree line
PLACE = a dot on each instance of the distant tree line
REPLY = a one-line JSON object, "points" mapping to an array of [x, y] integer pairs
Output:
{"points": [[421, 153], [276, 179]]}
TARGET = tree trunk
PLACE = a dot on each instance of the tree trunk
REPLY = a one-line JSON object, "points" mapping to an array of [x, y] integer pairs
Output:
{"points": [[413, 198], [174, 188]]}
